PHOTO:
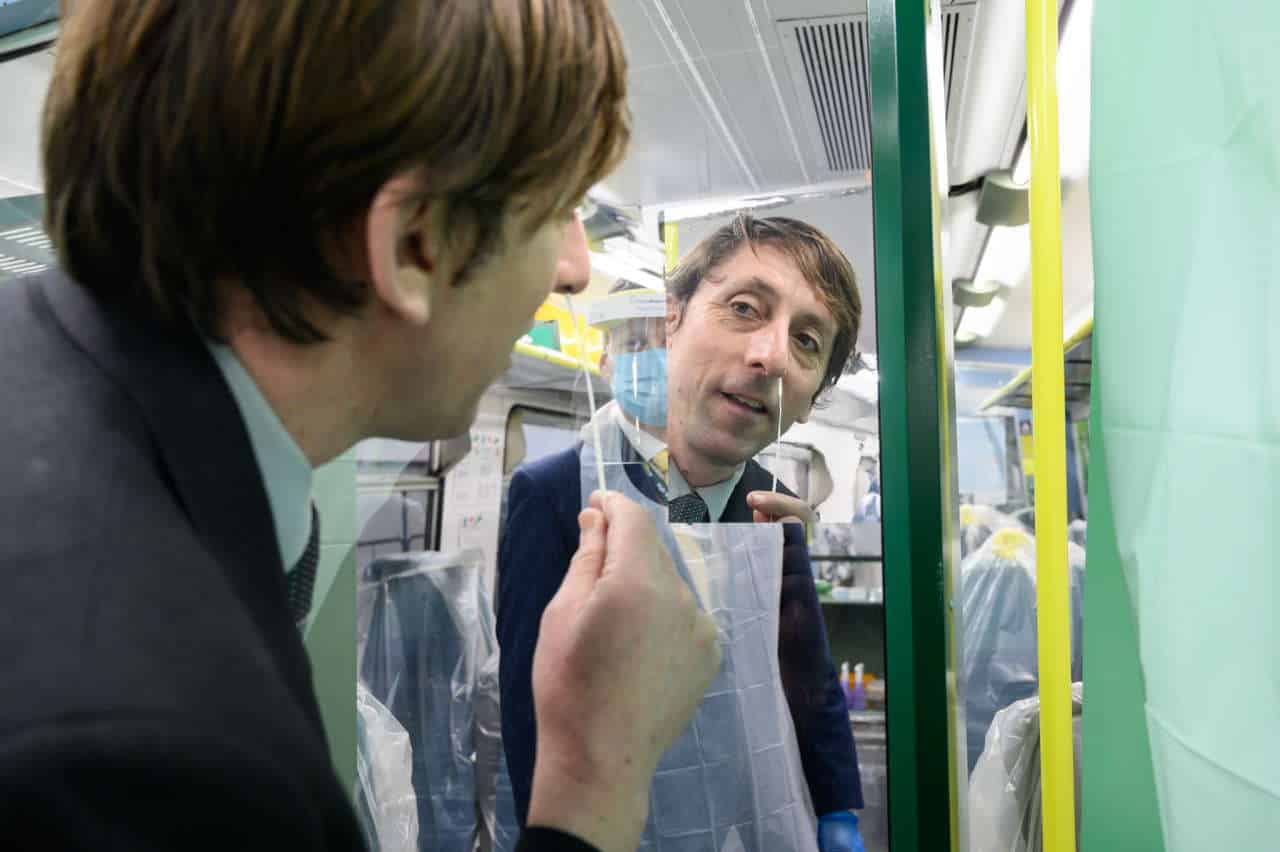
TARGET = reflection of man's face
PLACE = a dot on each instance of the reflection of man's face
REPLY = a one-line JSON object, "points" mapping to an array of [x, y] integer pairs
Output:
{"points": [[634, 335], [752, 320]]}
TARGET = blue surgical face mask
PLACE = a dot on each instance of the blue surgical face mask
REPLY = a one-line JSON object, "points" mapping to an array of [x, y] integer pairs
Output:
{"points": [[640, 385]]}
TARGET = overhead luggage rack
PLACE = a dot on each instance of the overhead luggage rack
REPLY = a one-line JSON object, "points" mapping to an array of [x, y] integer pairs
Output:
{"points": [[1078, 360]]}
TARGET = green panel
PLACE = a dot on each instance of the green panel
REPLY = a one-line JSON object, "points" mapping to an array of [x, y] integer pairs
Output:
{"points": [[1118, 807], [331, 642], [331, 633], [917, 443]]}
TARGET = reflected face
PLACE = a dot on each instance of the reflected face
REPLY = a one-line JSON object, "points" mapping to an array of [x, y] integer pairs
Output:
{"points": [[754, 320], [466, 345], [632, 336]]}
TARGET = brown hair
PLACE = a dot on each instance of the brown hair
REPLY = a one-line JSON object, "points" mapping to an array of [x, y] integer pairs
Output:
{"points": [[190, 142], [819, 260]]}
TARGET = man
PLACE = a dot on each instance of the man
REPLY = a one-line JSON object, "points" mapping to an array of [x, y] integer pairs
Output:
{"points": [[758, 305], [758, 300], [282, 228]]}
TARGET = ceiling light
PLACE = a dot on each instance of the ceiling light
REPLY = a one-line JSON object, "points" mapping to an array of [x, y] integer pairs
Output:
{"points": [[978, 323], [970, 293], [614, 266], [1007, 259], [719, 207]]}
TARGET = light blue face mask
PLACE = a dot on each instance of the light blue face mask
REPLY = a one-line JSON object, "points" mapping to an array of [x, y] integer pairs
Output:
{"points": [[640, 385]]}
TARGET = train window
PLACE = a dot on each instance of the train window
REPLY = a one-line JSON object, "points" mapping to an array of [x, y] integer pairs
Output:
{"points": [[397, 499], [533, 433]]}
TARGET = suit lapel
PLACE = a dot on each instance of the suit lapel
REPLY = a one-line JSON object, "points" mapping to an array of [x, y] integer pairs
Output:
{"points": [[754, 478], [202, 442]]}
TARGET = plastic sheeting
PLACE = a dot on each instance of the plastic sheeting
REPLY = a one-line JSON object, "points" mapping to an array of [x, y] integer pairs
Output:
{"points": [[1004, 790], [429, 654], [387, 804], [1185, 193], [732, 782], [999, 664], [977, 523]]}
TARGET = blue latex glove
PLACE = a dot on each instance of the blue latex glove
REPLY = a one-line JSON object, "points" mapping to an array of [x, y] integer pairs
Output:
{"points": [[838, 832]]}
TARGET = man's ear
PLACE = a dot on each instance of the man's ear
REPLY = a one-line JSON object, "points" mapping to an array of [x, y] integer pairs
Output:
{"points": [[673, 315], [605, 365], [400, 250]]}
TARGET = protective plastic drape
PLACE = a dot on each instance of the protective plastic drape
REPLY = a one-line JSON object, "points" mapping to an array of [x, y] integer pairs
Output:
{"points": [[1004, 790], [999, 665], [1185, 191], [429, 656]]}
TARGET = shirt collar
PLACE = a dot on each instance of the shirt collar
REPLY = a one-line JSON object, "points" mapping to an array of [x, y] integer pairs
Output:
{"points": [[716, 496], [286, 473], [646, 445]]}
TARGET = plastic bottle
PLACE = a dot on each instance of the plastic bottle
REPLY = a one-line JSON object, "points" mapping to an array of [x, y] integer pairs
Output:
{"points": [[857, 700], [844, 685]]}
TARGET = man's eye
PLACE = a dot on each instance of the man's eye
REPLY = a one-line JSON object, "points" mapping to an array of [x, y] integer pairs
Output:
{"points": [[809, 343], [742, 309]]}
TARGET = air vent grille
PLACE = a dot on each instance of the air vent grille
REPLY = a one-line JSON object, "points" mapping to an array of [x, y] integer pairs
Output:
{"points": [[835, 68], [833, 65]]}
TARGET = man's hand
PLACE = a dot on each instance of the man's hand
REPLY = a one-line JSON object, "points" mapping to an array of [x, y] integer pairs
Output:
{"points": [[771, 507], [623, 658]]}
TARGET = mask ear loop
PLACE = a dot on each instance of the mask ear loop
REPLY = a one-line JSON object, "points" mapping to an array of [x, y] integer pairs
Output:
{"points": [[635, 382], [591, 397]]}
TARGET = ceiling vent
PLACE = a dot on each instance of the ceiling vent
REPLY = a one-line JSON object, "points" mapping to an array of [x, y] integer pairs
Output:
{"points": [[829, 62]]}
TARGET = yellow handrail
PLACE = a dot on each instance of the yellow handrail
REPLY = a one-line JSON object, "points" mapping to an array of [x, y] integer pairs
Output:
{"points": [[1048, 406], [1085, 330]]}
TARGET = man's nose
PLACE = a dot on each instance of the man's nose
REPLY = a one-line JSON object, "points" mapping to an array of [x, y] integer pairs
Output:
{"points": [[768, 349], [573, 269]]}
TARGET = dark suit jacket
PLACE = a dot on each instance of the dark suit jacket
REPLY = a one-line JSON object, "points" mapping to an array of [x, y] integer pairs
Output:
{"points": [[154, 691], [540, 537]]}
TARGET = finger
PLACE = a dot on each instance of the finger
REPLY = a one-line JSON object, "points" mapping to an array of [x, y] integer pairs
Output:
{"points": [[760, 517], [588, 562], [771, 503]]}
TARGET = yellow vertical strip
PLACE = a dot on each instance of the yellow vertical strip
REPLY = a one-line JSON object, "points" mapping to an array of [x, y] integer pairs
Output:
{"points": [[671, 242], [1049, 412]]}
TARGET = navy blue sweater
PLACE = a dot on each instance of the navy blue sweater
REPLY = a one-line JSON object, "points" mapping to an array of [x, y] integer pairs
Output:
{"points": [[540, 537]]}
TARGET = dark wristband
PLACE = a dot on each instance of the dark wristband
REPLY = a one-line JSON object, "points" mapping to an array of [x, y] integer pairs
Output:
{"points": [[550, 840]]}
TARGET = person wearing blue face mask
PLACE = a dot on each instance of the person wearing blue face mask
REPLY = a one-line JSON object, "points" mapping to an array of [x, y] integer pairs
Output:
{"points": [[545, 498], [639, 384]]}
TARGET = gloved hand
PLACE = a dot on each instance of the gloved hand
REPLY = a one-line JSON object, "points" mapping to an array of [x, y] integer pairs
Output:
{"points": [[838, 832]]}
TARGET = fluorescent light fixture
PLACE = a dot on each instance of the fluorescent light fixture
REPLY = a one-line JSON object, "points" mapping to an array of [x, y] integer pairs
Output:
{"points": [[937, 98], [1007, 259], [1022, 168], [978, 323], [1074, 74], [614, 266], [719, 206], [1075, 63]]}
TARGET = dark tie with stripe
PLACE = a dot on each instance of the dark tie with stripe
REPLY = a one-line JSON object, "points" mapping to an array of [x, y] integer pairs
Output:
{"points": [[302, 579], [688, 509]]}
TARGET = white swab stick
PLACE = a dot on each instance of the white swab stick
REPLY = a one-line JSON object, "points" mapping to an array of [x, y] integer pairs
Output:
{"points": [[591, 395]]}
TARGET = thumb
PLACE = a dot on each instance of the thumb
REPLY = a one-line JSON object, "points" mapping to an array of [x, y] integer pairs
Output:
{"points": [[588, 562]]}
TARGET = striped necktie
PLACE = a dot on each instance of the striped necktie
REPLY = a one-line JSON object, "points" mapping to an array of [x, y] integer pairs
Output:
{"points": [[302, 579]]}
